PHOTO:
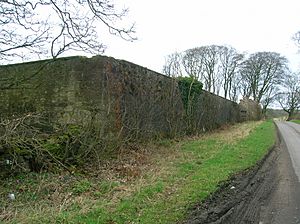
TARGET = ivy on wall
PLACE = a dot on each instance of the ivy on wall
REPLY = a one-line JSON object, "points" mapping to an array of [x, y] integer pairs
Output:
{"points": [[189, 87]]}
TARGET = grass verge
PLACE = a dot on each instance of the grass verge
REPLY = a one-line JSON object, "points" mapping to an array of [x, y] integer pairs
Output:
{"points": [[296, 121], [170, 178]]}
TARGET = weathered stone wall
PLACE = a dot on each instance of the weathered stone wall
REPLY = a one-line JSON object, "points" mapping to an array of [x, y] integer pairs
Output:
{"points": [[123, 98], [69, 90], [148, 104], [212, 111]]}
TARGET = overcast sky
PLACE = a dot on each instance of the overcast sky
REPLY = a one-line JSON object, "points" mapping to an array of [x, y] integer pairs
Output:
{"points": [[166, 26]]}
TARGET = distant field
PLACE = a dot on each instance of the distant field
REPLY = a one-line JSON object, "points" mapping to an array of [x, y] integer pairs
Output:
{"points": [[156, 184]]}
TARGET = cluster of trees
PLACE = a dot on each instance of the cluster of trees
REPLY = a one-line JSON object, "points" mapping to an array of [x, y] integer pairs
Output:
{"points": [[208, 64], [262, 76]]}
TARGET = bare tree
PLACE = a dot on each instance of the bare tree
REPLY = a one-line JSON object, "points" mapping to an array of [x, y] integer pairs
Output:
{"points": [[230, 61], [193, 63], [173, 65], [49, 27], [268, 98], [244, 87], [203, 63], [261, 71], [289, 98], [211, 68], [235, 89]]}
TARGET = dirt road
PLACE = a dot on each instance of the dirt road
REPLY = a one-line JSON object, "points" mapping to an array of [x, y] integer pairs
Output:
{"points": [[267, 194]]}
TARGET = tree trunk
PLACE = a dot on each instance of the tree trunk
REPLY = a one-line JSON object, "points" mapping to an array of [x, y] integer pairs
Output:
{"points": [[290, 117]]}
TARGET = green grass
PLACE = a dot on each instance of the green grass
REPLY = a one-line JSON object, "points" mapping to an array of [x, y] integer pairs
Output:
{"points": [[186, 173], [296, 121], [208, 163], [81, 187]]}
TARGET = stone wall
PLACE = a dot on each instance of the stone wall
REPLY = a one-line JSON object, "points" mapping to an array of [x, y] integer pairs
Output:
{"points": [[147, 103], [122, 98], [212, 111], [68, 90]]}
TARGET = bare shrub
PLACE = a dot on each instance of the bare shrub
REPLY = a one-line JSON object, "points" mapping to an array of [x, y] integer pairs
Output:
{"points": [[31, 142]]}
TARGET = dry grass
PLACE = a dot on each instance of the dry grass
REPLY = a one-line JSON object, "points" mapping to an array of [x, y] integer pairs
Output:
{"points": [[231, 134]]}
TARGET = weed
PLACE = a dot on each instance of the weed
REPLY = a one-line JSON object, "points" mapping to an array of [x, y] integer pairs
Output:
{"points": [[81, 186], [165, 142], [107, 186]]}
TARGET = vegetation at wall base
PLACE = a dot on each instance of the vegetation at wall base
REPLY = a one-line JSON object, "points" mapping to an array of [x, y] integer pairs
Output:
{"points": [[156, 184], [32, 143]]}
